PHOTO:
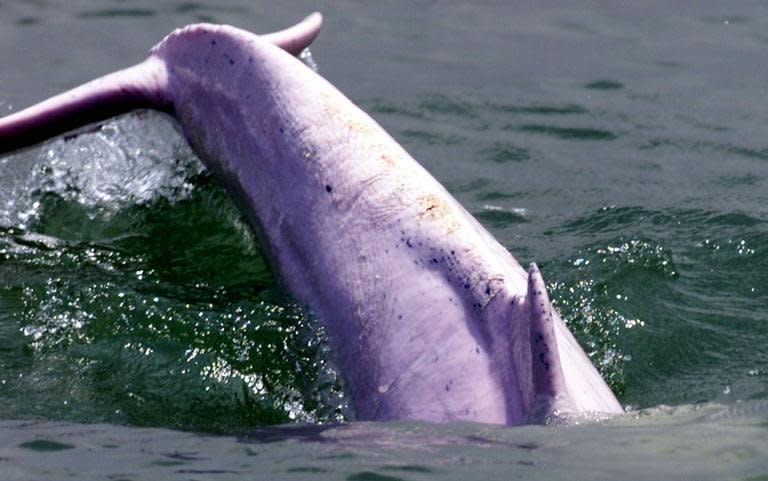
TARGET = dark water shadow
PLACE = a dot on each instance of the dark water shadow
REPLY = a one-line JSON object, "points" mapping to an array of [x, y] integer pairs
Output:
{"points": [[44, 445], [117, 13], [307, 433], [27, 21], [567, 133], [605, 85], [371, 476], [568, 109], [190, 7]]}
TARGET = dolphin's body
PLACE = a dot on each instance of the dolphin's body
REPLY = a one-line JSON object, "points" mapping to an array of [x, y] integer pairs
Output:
{"points": [[430, 317]]}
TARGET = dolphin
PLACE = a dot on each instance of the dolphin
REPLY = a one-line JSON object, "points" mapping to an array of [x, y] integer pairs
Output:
{"points": [[430, 318]]}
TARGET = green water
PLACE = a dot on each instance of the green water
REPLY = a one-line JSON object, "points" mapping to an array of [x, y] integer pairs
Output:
{"points": [[156, 311], [623, 148]]}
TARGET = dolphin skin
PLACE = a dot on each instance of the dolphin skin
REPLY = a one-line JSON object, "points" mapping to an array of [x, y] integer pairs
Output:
{"points": [[429, 316]]}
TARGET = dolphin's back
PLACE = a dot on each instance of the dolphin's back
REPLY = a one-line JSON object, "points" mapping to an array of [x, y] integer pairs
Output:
{"points": [[430, 316], [409, 284]]}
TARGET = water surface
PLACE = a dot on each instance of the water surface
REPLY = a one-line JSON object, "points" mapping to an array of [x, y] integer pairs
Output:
{"points": [[622, 147]]}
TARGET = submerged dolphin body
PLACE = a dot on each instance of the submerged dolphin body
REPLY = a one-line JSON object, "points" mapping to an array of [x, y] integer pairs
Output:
{"points": [[430, 317]]}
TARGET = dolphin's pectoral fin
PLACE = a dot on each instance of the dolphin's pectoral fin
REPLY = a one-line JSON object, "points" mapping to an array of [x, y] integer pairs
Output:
{"points": [[550, 393]]}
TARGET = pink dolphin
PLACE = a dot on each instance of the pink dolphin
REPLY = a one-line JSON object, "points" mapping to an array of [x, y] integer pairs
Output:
{"points": [[430, 317]]}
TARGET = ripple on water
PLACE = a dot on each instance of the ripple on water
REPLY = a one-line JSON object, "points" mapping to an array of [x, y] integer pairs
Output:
{"points": [[443, 104], [504, 152], [687, 145], [499, 217], [662, 283]]}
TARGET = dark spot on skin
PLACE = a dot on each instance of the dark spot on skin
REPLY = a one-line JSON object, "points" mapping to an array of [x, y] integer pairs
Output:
{"points": [[447, 387], [328, 188], [434, 261], [213, 42], [408, 242], [282, 130], [453, 253], [477, 350], [400, 316], [231, 62], [466, 286], [250, 59], [488, 290]]}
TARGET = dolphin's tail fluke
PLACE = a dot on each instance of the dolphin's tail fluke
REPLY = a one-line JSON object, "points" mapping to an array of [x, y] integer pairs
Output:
{"points": [[295, 39], [140, 86]]}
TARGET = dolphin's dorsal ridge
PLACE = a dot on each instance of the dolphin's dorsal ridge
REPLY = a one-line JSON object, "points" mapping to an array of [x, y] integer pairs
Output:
{"points": [[550, 393]]}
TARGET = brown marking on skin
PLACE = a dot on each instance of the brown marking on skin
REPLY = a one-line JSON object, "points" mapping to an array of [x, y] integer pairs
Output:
{"points": [[387, 159], [385, 153], [352, 123], [355, 126], [329, 107], [436, 209], [433, 207]]}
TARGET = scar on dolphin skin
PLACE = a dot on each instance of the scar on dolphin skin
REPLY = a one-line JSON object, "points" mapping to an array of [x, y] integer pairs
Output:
{"points": [[354, 228]]}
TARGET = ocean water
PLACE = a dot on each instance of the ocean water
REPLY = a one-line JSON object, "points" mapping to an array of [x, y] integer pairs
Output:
{"points": [[622, 147]]}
